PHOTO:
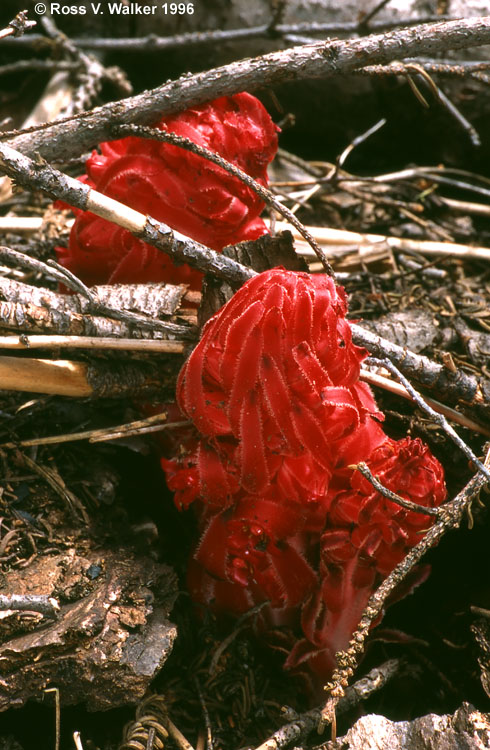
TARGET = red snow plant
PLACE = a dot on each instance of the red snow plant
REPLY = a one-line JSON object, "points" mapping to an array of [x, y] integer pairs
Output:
{"points": [[281, 418]]}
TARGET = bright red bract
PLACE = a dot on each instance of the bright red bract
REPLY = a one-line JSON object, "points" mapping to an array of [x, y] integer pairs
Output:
{"points": [[188, 192]]}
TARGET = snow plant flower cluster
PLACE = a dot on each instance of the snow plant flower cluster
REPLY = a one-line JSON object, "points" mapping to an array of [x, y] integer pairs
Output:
{"points": [[280, 418], [189, 193]]}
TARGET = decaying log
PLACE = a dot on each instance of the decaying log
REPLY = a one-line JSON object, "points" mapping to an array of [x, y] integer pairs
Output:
{"points": [[467, 728], [106, 646]]}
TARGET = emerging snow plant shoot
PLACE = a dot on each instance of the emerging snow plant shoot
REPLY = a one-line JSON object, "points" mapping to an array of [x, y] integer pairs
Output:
{"points": [[280, 419]]}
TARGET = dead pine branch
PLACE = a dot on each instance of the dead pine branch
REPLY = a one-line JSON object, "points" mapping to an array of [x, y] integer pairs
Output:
{"points": [[18, 26], [454, 386], [155, 423], [440, 419], [304, 724], [266, 195], [367, 242], [74, 136]]}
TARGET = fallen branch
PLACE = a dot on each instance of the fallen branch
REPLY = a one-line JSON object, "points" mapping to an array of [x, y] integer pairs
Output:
{"points": [[457, 387], [24, 343], [398, 389], [154, 43], [65, 139], [304, 724], [438, 418], [264, 194], [155, 423], [38, 310], [454, 386], [38, 175]]}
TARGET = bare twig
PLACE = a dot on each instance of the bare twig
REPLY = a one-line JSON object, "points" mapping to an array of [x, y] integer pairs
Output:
{"points": [[80, 379], [456, 386], [387, 384], [155, 423], [440, 419], [90, 74], [177, 736], [40, 176], [305, 723], [38, 310], [55, 481], [18, 26], [154, 43], [266, 195], [358, 140], [363, 469], [158, 346], [57, 709], [339, 237]]}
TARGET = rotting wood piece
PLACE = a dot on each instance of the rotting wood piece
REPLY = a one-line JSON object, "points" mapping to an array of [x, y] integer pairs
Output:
{"points": [[106, 647], [466, 728]]}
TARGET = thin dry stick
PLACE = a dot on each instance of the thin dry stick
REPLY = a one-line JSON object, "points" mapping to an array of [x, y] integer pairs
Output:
{"points": [[397, 388], [99, 311], [23, 224], [24, 342], [42, 176], [56, 692], [155, 423], [18, 26], [347, 660], [363, 469], [303, 724], [55, 481], [455, 386], [154, 43], [440, 419], [177, 736], [333, 57], [327, 236], [266, 195]]}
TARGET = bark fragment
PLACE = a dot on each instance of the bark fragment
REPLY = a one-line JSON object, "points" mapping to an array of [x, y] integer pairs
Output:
{"points": [[106, 646]]}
